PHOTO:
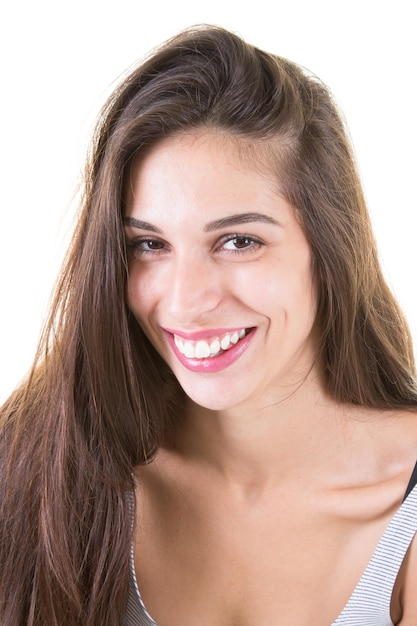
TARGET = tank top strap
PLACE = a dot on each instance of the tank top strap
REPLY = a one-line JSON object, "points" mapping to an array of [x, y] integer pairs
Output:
{"points": [[412, 483], [370, 603]]}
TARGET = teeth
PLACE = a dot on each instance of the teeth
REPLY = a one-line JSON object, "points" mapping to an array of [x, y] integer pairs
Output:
{"points": [[225, 342], [203, 349], [234, 338], [215, 346], [189, 350]]}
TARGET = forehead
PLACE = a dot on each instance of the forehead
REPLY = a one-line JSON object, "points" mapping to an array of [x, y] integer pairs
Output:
{"points": [[258, 155], [203, 161]]}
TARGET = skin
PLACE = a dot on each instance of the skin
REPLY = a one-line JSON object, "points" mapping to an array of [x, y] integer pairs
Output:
{"points": [[269, 498]]}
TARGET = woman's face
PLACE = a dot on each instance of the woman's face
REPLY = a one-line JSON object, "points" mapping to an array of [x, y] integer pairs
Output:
{"points": [[220, 272]]}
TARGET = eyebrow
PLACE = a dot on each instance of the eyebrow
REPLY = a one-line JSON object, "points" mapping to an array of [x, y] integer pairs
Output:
{"points": [[239, 218], [224, 222], [132, 221]]}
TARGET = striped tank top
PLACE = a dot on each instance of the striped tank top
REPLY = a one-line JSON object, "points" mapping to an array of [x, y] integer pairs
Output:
{"points": [[369, 604]]}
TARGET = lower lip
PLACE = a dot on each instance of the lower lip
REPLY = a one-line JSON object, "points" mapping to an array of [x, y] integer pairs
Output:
{"points": [[212, 364]]}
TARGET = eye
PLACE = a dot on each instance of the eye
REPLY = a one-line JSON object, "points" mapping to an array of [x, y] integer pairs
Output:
{"points": [[140, 247], [240, 243]]}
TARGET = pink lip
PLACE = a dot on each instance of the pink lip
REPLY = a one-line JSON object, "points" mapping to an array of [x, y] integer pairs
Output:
{"points": [[201, 334], [213, 364]]}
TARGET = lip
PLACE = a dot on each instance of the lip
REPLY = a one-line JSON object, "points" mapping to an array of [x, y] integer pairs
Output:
{"points": [[202, 334], [213, 364]]}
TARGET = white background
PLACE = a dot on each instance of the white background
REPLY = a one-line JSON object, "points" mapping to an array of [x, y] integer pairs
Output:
{"points": [[59, 61]]}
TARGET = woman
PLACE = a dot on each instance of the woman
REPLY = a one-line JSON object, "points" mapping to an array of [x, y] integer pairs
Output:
{"points": [[220, 425]]}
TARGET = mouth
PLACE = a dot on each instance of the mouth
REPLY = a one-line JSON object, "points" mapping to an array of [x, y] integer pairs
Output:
{"points": [[209, 347]]}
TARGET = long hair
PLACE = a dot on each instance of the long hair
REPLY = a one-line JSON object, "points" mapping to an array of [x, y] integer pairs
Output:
{"points": [[99, 399]]}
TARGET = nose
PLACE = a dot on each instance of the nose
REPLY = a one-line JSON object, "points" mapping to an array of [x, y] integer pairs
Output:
{"points": [[194, 290]]}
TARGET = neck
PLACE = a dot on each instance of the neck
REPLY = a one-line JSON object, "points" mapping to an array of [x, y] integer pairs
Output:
{"points": [[259, 445]]}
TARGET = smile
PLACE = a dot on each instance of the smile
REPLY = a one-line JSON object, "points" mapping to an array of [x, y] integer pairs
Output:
{"points": [[210, 347]]}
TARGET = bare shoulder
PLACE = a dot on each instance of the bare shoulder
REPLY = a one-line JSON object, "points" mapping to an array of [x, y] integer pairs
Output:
{"points": [[390, 434]]}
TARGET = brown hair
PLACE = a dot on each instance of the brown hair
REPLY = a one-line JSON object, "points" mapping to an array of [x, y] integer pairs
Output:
{"points": [[98, 399]]}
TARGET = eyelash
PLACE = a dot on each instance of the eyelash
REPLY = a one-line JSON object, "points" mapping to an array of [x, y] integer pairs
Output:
{"points": [[135, 246], [254, 243]]}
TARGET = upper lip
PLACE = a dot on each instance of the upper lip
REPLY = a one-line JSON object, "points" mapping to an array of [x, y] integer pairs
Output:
{"points": [[204, 334]]}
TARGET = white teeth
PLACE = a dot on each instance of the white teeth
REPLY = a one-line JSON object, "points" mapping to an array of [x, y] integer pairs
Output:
{"points": [[203, 349], [225, 342], [214, 347], [189, 349], [234, 338]]}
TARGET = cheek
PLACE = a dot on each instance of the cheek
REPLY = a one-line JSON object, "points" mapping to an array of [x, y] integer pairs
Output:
{"points": [[290, 293], [139, 295]]}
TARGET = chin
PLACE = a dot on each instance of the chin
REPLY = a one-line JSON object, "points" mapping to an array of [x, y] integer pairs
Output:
{"points": [[214, 400]]}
